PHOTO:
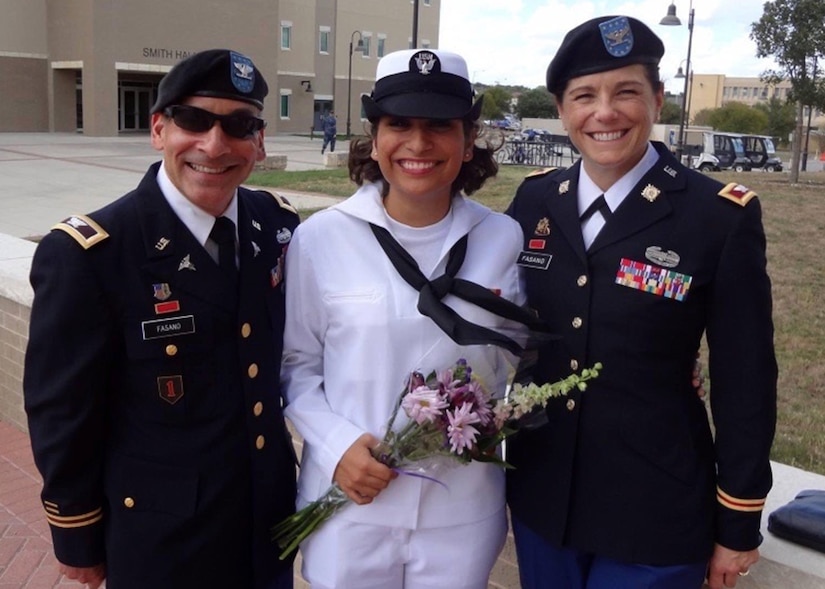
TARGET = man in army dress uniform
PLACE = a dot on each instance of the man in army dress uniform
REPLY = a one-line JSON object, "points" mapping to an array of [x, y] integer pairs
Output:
{"points": [[632, 258], [152, 372]]}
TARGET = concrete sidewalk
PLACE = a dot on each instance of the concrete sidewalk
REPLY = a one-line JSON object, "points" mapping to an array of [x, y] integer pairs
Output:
{"points": [[45, 177]]}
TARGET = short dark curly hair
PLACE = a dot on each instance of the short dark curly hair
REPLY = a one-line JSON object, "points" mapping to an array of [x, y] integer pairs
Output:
{"points": [[471, 177]]}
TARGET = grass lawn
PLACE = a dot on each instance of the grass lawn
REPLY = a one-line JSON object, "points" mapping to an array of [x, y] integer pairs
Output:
{"points": [[794, 217]]}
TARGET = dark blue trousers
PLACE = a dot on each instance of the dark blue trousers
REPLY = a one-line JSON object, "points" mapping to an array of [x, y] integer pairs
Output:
{"points": [[544, 566]]}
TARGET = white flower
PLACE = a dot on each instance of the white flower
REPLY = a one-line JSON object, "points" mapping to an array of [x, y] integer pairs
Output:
{"points": [[423, 404]]}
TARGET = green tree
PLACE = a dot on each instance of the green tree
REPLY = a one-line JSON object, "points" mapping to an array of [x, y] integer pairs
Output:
{"points": [[496, 103], [739, 118], [537, 103], [790, 31], [671, 112], [702, 118], [781, 115]]}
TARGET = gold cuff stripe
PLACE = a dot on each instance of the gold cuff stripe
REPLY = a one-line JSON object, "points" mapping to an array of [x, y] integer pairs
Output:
{"points": [[737, 504], [55, 510], [70, 525], [73, 518], [50, 504]]}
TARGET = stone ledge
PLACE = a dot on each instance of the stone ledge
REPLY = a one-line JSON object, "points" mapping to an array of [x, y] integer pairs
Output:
{"points": [[336, 159], [272, 162]]}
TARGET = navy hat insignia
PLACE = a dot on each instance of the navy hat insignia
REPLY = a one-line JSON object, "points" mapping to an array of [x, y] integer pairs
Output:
{"points": [[425, 61], [617, 36], [243, 72]]}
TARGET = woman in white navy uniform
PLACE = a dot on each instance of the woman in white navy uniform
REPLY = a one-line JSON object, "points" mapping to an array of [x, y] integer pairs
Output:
{"points": [[354, 333]]}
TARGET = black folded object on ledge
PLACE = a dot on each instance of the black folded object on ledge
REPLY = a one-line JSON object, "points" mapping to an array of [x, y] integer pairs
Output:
{"points": [[802, 520]]}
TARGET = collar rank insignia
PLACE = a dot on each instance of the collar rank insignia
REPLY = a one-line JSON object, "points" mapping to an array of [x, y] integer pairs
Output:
{"points": [[564, 187], [162, 243], [671, 172], [543, 226], [256, 225], [255, 250], [186, 264], [737, 193], [651, 193]]}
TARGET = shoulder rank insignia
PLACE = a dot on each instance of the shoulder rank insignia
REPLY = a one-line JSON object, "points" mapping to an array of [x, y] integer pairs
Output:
{"points": [[737, 193], [541, 172], [284, 203], [83, 230]]}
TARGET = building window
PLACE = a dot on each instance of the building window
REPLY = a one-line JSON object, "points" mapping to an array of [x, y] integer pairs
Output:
{"points": [[380, 48], [426, 2], [286, 35], [286, 104], [425, 43], [323, 40], [366, 38]]}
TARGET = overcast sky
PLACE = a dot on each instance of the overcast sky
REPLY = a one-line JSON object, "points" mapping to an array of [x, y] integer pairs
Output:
{"points": [[512, 41]]}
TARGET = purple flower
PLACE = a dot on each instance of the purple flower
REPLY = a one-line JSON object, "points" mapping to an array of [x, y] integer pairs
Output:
{"points": [[461, 433], [423, 405]]}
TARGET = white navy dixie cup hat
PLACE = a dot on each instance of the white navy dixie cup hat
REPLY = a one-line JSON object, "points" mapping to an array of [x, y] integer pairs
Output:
{"points": [[422, 83]]}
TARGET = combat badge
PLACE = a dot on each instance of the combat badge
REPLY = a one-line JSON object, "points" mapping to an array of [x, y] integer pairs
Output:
{"points": [[737, 193], [668, 259], [83, 230]]}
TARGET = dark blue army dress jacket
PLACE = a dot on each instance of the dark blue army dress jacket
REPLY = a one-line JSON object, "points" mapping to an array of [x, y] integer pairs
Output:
{"points": [[628, 469], [152, 389]]}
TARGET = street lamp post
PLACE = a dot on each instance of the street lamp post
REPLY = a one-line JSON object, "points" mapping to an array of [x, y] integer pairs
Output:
{"points": [[359, 47], [679, 75], [672, 20]]}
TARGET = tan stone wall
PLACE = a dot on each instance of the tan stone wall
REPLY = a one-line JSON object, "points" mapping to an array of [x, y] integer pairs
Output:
{"points": [[14, 333], [25, 97]]}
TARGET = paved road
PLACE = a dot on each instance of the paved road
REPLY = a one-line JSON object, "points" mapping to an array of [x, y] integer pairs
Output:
{"points": [[45, 177]]}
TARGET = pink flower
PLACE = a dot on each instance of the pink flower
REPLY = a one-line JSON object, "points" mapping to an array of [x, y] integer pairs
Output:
{"points": [[423, 404], [461, 434]]}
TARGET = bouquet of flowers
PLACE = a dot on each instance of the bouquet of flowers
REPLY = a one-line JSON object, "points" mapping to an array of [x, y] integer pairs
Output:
{"points": [[451, 414]]}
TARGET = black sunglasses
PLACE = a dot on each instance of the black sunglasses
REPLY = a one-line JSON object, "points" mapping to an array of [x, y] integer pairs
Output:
{"points": [[197, 120]]}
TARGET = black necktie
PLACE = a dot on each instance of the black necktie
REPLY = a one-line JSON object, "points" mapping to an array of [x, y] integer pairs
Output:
{"points": [[223, 233], [431, 292], [597, 205]]}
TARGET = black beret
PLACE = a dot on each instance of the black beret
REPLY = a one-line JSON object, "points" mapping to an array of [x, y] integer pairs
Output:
{"points": [[602, 44], [219, 73]]}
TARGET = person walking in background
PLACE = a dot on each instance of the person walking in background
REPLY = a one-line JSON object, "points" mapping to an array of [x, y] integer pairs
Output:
{"points": [[329, 124], [151, 375], [632, 259], [357, 328]]}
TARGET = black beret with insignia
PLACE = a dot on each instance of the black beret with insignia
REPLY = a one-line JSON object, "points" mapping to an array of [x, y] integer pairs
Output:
{"points": [[217, 73], [602, 44]]}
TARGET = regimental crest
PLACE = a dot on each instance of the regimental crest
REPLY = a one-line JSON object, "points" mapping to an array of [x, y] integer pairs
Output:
{"points": [[651, 193], [564, 187], [425, 61], [243, 72], [617, 36], [543, 226]]}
